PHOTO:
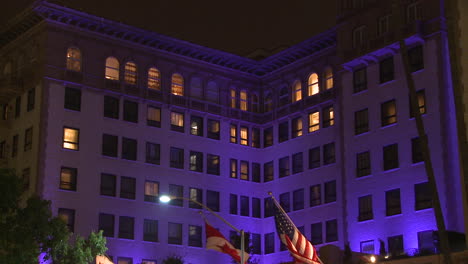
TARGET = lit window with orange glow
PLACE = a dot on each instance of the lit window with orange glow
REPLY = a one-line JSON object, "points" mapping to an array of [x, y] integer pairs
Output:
{"points": [[233, 99], [112, 69], [243, 101], [71, 138], [244, 170], [328, 78], [177, 119], [233, 134], [297, 91], [313, 84], [154, 79], [73, 59], [314, 121], [130, 73], [244, 136], [177, 84]]}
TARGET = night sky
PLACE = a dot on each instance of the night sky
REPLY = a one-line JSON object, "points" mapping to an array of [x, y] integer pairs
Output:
{"points": [[239, 26]]}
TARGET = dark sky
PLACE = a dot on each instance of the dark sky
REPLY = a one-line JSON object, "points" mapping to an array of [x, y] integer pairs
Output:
{"points": [[235, 26]]}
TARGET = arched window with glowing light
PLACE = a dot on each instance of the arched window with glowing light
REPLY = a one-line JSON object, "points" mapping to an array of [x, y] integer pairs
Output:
{"points": [[130, 73], [112, 69], [74, 59], [232, 98], [254, 103], [313, 84], [328, 74], [268, 104], [212, 92], [243, 101], [297, 91], [177, 84], [154, 79]]}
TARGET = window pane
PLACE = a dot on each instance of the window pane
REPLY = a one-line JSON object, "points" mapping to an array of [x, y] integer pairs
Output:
{"points": [[70, 138]]}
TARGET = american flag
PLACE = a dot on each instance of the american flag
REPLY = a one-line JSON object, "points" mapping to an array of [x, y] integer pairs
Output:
{"points": [[300, 248]]}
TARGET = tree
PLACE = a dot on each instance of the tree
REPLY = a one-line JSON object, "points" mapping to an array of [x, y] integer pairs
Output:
{"points": [[28, 229], [174, 259]]}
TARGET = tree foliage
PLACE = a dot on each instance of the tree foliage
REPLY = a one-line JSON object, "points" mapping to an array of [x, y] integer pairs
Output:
{"points": [[174, 259]]}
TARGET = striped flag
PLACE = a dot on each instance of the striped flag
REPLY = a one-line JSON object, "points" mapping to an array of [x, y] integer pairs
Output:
{"points": [[300, 248]]}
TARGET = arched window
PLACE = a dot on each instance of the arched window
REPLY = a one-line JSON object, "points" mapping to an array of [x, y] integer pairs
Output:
{"points": [[359, 36], [268, 105], [243, 101], [74, 59], [254, 103], [112, 69], [297, 91], [283, 96], [233, 98], [177, 84], [154, 79], [313, 85], [130, 73], [328, 74], [212, 92], [196, 88], [7, 70]]}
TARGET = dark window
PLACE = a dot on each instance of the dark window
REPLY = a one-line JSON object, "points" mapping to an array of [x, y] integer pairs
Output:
{"points": [[72, 99], [367, 247], [233, 133], [28, 137], [111, 107], [329, 153], [130, 111], [360, 80], [268, 171], [14, 146], [422, 196], [427, 241], [316, 236], [395, 245], [255, 138], [256, 210], [68, 178], [416, 58], [17, 106], [416, 150], [127, 187], [297, 162], [126, 225], [298, 199], [106, 224], [393, 204], [330, 191], [129, 149], [328, 116], [176, 191], [212, 200], [245, 206], [388, 113], [285, 201], [244, 170], [153, 153], [195, 236], [284, 167], [256, 172], [256, 244], [283, 131], [213, 129], [331, 234], [26, 177], [365, 208], [174, 234], [315, 195], [68, 216], [390, 157], [196, 126], [31, 99], [109, 145], [363, 164], [3, 150], [268, 207], [233, 168], [177, 158], [108, 184], [196, 161], [361, 121], [150, 230], [151, 191], [269, 243], [268, 137], [153, 116], [314, 157], [296, 127], [212, 164], [233, 204], [421, 99], [195, 195], [386, 70]]}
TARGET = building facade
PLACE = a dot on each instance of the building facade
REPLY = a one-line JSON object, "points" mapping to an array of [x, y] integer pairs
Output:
{"points": [[102, 118]]}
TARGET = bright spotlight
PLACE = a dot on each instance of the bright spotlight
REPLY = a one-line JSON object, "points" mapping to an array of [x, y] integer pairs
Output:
{"points": [[372, 259], [164, 198]]}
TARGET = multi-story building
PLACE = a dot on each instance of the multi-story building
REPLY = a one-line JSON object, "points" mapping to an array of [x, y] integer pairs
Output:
{"points": [[102, 118]]}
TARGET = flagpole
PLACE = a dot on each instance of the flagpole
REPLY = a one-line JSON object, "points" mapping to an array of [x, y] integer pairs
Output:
{"points": [[278, 205]]}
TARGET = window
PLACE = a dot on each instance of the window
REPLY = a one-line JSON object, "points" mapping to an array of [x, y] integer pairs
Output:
{"points": [[365, 208], [314, 158], [112, 69], [176, 191], [256, 210], [130, 73], [213, 129], [329, 153], [68, 178], [386, 70], [315, 195], [268, 137], [268, 104], [232, 98], [72, 99], [196, 126], [422, 196], [148, 261], [269, 207], [212, 92], [127, 187], [195, 236], [68, 216], [296, 127], [31, 99], [390, 157], [71, 138], [28, 137], [284, 167], [330, 192], [285, 202], [255, 143], [245, 206], [255, 107], [269, 243], [298, 199], [150, 230], [177, 84], [256, 244], [363, 164], [256, 172], [361, 121], [283, 131], [196, 161], [416, 58], [421, 99], [130, 111], [153, 116], [414, 12], [106, 224], [121, 260], [297, 91], [233, 204], [244, 136], [195, 195], [129, 149], [126, 225], [153, 154], [177, 158], [17, 106], [196, 88], [416, 150], [109, 145], [395, 245], [328, 78], [233, 134], [73, 59], [367, 247], [314, 121], [108, 184], [268, 171], [111, 107], [212, 166], [313, 85], [233, 168], [392, 201], [26, 177], [3, 148], [328, 116], [154, 79], [383, 25], [212, 200], [151, 191], [427, 241], [244, 170], [14, 146], [360, 80], [177, 121], [331, 234], [359, 36], [316, 236], [243, 101], [297, 161], [388, 113]]}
